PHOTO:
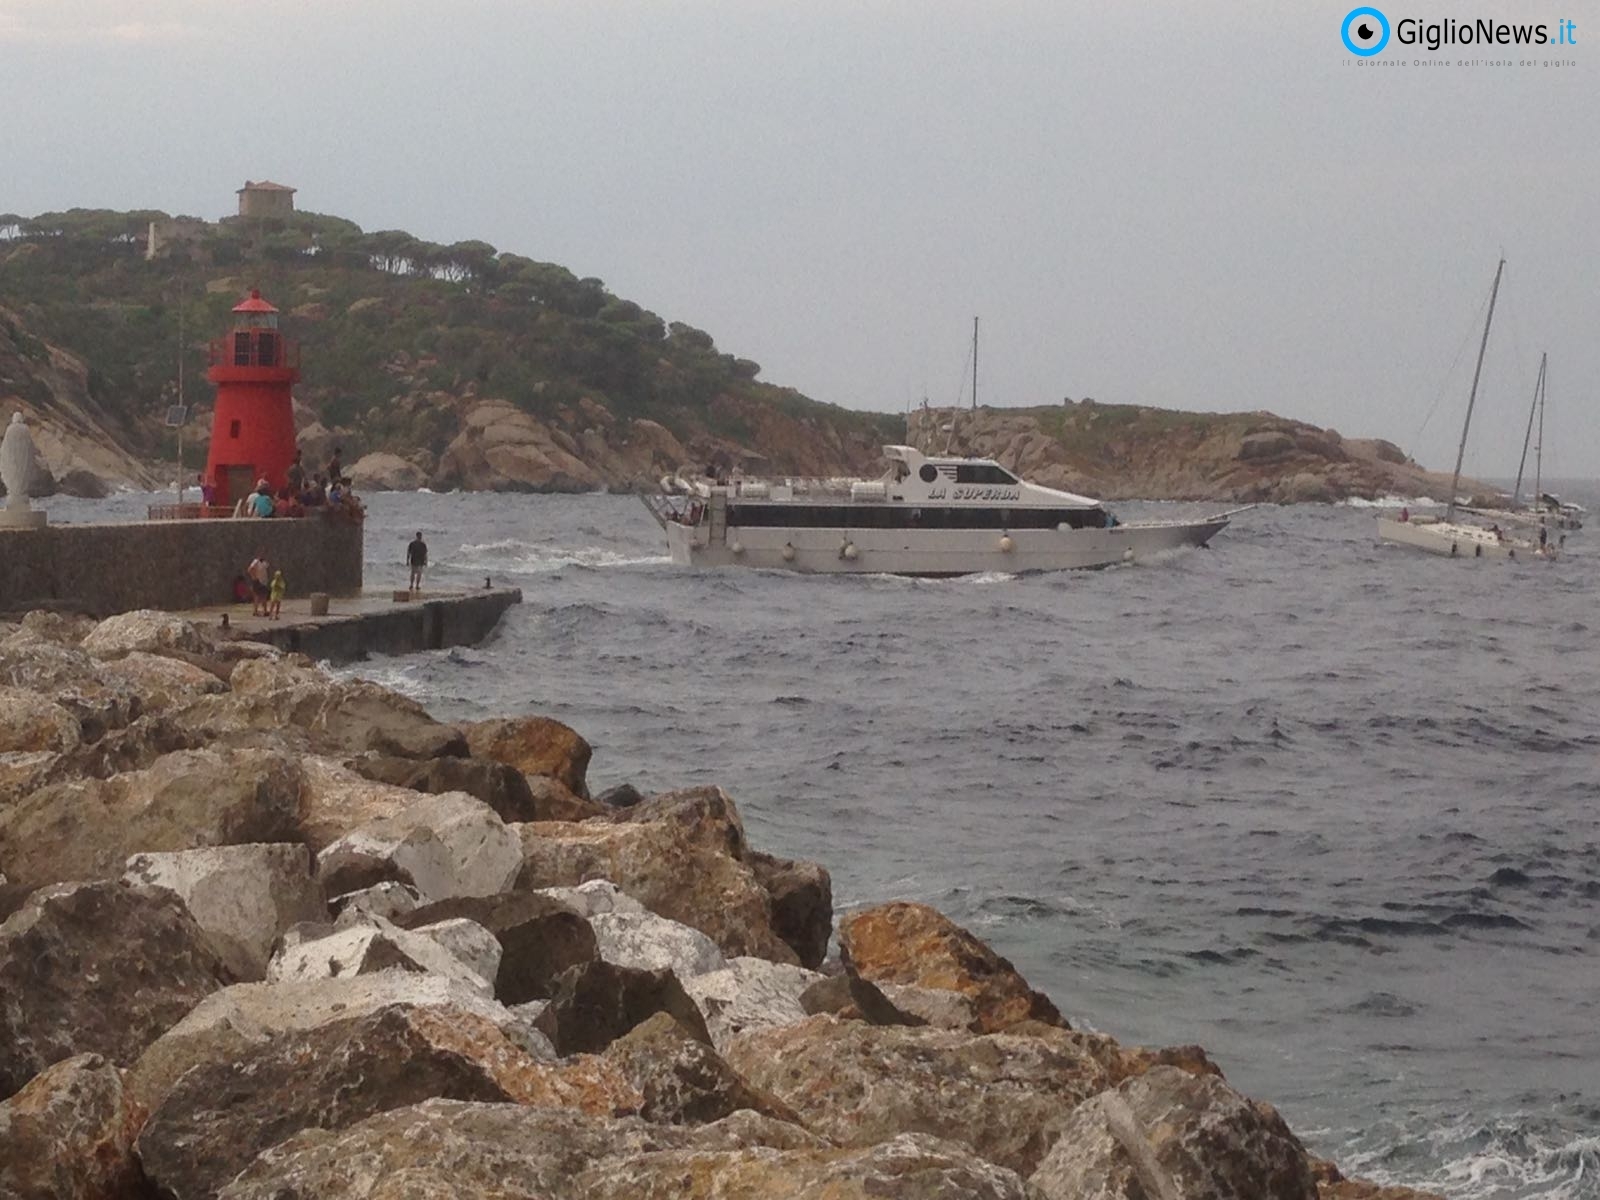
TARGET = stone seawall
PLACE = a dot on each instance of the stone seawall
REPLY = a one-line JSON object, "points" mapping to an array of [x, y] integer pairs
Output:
{"points": [[106, 569], [453, 620]]}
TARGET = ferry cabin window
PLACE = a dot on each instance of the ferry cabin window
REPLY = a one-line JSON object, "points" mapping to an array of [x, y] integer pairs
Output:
{"points": [[884, 516], [983, 473]]}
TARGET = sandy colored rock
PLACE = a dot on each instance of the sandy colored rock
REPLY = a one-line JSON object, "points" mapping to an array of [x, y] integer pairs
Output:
{"points": [[230, 1023], [443, 846], [903, 943], [146, 629], [71, 678], [908, 1167], [1006, 1097], [683, 1081], [501, 448], [467, 1151], [382, 472], [750, 994], [87, 829], [163, 683], [1170, 1133], [97, 968], [534, 746], [651, 943], [32, 723], [69, 1135], [244, 897], [469, 943], [503, 788], [219, 1116], [679, 854], [335, 800]]}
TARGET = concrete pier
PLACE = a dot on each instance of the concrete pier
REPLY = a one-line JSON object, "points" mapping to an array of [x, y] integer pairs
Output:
{"points": [[369, 623]]}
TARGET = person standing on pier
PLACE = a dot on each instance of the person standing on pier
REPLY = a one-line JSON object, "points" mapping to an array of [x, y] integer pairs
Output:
{"points": [[258, 572], [417, 560]]}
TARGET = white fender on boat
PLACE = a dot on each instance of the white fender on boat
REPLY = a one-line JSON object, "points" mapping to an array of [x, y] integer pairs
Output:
{"points": [[1006, 544], [788, 552]]}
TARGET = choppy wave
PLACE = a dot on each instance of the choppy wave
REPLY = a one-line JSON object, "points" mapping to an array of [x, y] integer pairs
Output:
{"points": [[1389, 502], [1524, 1156], [516, 556]]}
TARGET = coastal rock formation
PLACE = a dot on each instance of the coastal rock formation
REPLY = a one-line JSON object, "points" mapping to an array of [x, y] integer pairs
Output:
{"points": [[143, 629], [1128, 452], [97, 968], [384, 472], [615, 1001], [1170, 1133], [1006, 1097], [69, 1135]]}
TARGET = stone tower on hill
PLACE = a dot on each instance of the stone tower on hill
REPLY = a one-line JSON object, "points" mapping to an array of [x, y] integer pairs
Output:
{"points": [[265, 199]]}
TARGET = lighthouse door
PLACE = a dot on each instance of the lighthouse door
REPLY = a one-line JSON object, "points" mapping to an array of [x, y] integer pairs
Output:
{"points": [[237, 483]]}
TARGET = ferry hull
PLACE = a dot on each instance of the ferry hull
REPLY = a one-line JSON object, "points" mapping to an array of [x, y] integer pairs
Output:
{"points": [[941, 552]]}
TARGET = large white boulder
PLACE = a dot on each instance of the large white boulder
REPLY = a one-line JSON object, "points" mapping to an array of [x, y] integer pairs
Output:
{"points": [[444, 846], [368, 949], [243, 897], [649, 943], [749, 993]]}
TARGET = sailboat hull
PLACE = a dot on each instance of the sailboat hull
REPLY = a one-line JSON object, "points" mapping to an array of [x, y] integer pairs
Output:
{"points": [[1450, 540]]}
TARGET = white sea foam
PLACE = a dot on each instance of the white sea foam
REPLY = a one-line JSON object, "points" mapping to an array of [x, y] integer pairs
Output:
{"points": [[519, 557], [1390, 502], [1511, 1158]]}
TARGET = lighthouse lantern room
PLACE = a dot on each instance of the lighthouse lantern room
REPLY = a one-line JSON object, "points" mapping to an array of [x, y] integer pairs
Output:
{"points": [[252, 427]]}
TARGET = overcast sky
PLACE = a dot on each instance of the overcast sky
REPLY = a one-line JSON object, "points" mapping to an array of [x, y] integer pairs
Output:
{"points": [[1193, 205]]}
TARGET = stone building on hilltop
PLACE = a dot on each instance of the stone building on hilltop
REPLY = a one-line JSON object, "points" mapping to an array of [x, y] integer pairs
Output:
{"points": [[265, 199]]}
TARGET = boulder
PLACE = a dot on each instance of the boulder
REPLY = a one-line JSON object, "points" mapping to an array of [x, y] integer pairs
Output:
{"points": [[69, 1135], [163, 683], [97, 968], [500, 448], [220, 1115], [853, 998], [469, 943], [540, 938], [87, 829], [69, 629], [147, 629], [133, 747], [391, 901], [231, 1023], [802, 904], [1332, 1185], [555, 801], [334, 717], [904, 943], [313, 952], [596, 1003], [1006, 1097], [336, 800], [593, 897], [683, 1081], [1171, 1133], [501, 787], [381, 472], [244, 897], [32, 723], [749, 994], [443, 846], [476, 1151], [651, 943], [909, 1167], [71, 678], [624, 795], [679, 854], [534, 746]]}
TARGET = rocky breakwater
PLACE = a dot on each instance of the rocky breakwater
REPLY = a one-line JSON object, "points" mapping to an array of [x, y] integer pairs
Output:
{"points": [[269, 934]]}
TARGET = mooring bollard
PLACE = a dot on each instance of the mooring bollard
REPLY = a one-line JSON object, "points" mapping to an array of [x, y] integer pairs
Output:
{"points": [[319, 604]]}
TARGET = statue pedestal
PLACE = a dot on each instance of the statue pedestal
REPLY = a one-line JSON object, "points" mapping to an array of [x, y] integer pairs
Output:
{"points": [[22, 518]]}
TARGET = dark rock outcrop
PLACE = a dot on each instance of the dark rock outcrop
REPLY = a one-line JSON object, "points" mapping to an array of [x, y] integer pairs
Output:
{"points": [[598, 1002], [540, 939], [97, 968]]}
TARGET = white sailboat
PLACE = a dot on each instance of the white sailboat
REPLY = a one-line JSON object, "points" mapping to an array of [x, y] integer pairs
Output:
{"points": [[1447, 536], [1545, 510]]}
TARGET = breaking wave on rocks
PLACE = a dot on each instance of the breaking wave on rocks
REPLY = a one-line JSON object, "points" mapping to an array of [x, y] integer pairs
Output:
{"points": [[512, 556]]}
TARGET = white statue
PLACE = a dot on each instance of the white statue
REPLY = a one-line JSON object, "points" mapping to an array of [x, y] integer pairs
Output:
{"points": [[16, 472]]}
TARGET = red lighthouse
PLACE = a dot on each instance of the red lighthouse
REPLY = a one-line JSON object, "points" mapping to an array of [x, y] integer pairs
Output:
{"points": [[252, 426]]}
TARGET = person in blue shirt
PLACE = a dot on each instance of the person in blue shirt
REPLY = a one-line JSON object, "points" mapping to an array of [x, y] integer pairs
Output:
{"points": [[261, 502]]}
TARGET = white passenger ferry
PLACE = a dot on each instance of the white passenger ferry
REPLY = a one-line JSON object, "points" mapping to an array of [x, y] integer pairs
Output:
{"points": [[923, 516]]}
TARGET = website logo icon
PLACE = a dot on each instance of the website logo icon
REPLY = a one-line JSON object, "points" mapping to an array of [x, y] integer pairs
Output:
{"points": [[1365, 32]]}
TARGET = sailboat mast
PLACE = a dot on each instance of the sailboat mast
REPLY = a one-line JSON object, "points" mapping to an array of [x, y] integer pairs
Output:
{"points": [[1461, 451], [974, 364], [1538, 449], [1538, 385]]}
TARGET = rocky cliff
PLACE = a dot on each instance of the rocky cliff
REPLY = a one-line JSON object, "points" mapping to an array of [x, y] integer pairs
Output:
{"points": [[82, 440], [1124, 452]]}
